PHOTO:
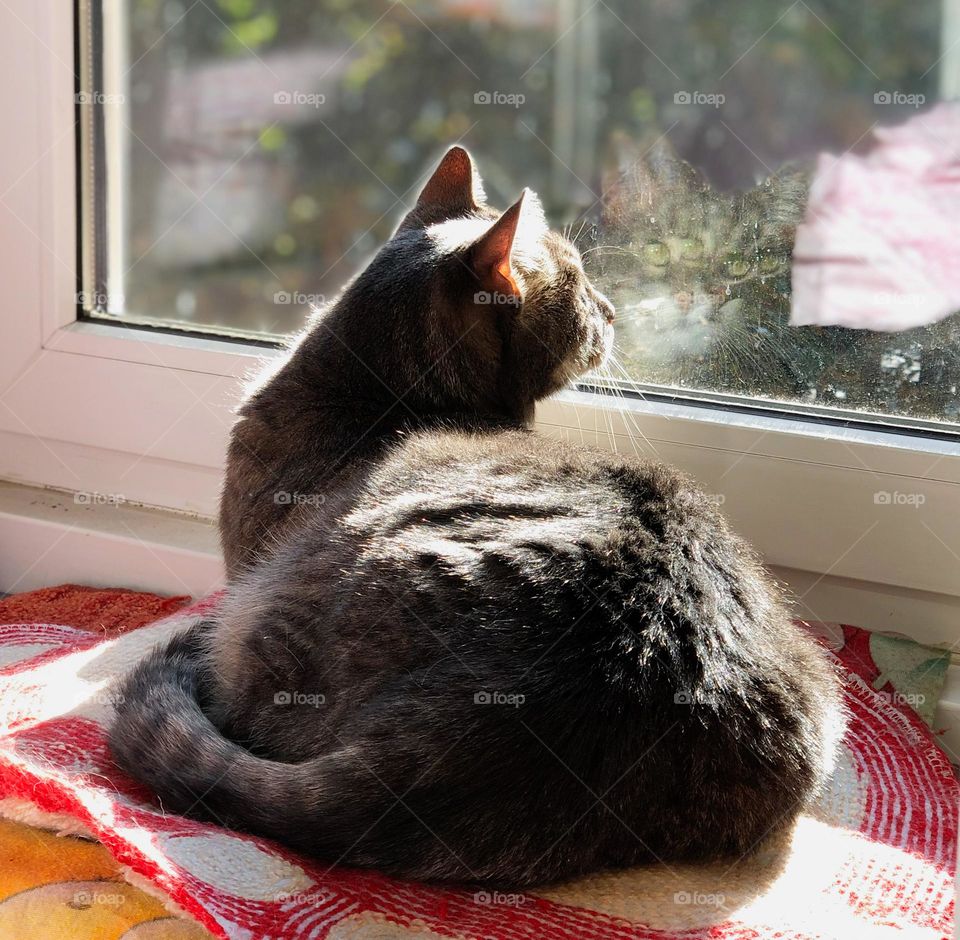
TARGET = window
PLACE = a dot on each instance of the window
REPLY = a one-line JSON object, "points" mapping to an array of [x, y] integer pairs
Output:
{"points": [[248, 155]]}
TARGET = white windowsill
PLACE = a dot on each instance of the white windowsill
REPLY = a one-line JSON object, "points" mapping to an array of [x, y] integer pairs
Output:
{"points": [[51, 538]]}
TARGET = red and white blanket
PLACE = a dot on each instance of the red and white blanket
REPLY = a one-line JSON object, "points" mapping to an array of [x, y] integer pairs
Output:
{"points": [[876, 860]]}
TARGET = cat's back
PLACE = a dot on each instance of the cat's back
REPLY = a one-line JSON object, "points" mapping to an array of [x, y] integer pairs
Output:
{"points": [[511, 518], [526, 486], [510, 551]]}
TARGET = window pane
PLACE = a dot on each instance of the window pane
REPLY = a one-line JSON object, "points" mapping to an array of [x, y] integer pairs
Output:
{"points": [[767, 192]]}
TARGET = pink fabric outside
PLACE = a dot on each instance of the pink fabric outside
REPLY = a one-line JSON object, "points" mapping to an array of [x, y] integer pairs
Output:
{"points": [[879, 247]]}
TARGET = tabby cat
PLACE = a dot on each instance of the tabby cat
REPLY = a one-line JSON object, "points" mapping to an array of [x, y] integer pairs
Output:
{"points": [[702, 280], [453, 649]]}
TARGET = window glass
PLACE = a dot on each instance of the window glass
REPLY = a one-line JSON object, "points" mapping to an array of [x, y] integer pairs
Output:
{"points": [[768, 192]]}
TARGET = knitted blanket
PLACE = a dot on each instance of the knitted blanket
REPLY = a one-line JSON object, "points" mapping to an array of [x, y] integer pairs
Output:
{"points": [[876, 859]]}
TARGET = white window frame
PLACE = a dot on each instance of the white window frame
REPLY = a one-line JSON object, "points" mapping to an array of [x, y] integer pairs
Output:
{"points": [[92, 407]]}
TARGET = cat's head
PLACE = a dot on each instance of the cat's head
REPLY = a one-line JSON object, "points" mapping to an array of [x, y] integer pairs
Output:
{"points": [[692, 269], [468, 308]]}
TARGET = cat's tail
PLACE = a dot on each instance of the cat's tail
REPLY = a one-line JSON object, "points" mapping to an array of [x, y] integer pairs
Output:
{"points": [[162, 737], [160, 734]]}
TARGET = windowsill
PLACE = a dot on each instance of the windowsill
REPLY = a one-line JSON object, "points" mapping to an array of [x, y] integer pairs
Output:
{"points": [[237, 358], [52, 536]]}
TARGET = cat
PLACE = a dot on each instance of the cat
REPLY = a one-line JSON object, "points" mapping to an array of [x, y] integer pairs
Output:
{"points": [[456, 650], [702, 280]]}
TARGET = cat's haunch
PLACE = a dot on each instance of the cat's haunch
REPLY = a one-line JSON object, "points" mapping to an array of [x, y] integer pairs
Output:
{"points": [[458, 650]]}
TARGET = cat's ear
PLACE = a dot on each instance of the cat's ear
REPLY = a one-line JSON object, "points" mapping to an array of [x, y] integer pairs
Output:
{"points": [[453, 189], [491, 256]]}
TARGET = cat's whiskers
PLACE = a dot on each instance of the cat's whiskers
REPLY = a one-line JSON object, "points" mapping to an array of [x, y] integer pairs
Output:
{"points": [[576, 414], [609, 383], [583, 225], [608, 427], [737, 351], [616, 376], [590, 251], [616, 387], [604, 413], [612, 384]]}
